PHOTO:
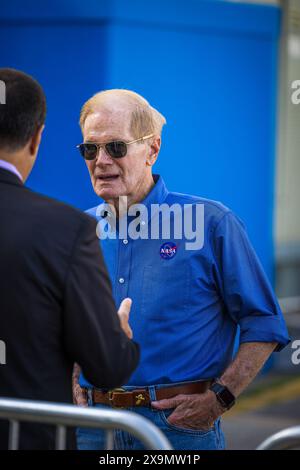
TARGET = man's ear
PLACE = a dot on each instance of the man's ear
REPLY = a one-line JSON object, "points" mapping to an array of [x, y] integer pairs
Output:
{"points": [[36, 140], [154, 151]]}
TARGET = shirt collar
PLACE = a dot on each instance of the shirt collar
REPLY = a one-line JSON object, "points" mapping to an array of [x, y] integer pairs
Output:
{"points": [[10, 167], [158, 193]]}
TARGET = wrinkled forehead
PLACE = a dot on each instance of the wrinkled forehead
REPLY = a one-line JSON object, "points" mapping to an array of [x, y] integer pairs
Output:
{"points": [[108, 124]]}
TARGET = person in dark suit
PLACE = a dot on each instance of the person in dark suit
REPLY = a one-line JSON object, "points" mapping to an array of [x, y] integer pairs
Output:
{"points": [[56, 305]]}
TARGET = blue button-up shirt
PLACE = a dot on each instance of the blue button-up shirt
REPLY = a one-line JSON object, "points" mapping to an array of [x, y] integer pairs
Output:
{"points": [[187, 306]]}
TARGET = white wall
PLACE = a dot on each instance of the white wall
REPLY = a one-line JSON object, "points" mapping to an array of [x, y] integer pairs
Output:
{"points": [[288, 157]]}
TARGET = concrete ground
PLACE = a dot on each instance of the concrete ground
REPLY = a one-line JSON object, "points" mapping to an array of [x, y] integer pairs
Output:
{"points": [[270, 405]]}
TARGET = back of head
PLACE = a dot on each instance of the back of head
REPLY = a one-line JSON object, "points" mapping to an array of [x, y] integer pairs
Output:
{"points": [[24, 109]]}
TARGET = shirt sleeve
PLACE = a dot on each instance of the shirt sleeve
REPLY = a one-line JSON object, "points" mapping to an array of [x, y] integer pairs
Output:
{"points": [[245, 288]]}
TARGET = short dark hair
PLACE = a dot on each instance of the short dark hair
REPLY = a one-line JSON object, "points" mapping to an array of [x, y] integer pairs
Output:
{"points": [[24, 111]]}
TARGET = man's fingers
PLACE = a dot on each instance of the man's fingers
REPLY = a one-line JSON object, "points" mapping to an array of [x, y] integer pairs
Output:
{"points": [[125, 307], [83, 403], [79, 396], [123, 313], [170, 402], [128, 332], [165, 404]]}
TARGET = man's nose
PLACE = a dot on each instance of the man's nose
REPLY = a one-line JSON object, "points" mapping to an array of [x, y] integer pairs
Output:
{"points": [[103, 158]]}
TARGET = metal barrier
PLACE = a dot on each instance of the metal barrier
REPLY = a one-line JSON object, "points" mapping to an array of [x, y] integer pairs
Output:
{"points": [[288, 438], [69, 415]]}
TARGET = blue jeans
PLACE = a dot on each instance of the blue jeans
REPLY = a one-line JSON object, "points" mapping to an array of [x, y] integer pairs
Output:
{"points": [[180, 438]]}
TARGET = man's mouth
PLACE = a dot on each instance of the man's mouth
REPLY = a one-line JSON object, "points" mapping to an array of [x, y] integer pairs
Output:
{"points": [[107, 177]]}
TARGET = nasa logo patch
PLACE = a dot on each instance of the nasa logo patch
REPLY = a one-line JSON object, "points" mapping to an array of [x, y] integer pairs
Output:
{"points": [[168, 250]]}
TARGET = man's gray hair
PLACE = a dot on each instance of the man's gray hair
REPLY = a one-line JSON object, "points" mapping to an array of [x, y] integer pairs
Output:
{"points": [[144, 118]]}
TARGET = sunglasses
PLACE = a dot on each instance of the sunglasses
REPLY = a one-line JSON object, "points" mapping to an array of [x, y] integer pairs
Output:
{"points": [[115, 148]]}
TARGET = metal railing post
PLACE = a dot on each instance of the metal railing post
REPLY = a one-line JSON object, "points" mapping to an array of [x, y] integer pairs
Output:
{"points": [[13, 438], [70, 415], [288, 438], [60, 438]]}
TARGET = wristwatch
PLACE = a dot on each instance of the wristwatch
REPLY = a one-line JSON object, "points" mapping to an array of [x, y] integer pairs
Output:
{"points": [[223, 394]]}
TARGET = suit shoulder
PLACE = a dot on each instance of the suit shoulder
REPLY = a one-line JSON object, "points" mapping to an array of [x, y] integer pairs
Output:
{"points": [[57, 212]]}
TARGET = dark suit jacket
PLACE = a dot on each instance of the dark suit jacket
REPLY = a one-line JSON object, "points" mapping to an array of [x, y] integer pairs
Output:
{"points": [[56, 306]]}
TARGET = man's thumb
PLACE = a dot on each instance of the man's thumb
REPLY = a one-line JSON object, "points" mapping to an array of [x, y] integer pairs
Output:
{"points": [[125, 306]]}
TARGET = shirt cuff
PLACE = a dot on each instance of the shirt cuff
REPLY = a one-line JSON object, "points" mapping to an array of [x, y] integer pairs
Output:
{"points": [[264, 329]]}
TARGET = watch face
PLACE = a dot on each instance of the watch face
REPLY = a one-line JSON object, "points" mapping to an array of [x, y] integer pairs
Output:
{"points": [[225, 397]]}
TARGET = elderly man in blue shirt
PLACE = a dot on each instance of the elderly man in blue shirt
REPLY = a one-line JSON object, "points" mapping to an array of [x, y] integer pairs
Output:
{"points": [[189, 298]]}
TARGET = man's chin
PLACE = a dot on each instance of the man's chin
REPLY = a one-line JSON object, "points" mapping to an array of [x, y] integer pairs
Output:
{"points": [[107, 193]]}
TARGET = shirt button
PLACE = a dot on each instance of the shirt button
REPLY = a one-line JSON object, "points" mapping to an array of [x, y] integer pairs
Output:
{"points": [[143, 222], [121, 280], [125, 242]]}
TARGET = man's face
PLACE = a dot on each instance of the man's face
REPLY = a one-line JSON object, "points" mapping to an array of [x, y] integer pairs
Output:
{"points": [[114, 177]]}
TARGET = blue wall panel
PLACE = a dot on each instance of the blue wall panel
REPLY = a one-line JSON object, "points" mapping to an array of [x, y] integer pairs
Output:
{"points": [[216, 85], [60, 56], [209, 66]]}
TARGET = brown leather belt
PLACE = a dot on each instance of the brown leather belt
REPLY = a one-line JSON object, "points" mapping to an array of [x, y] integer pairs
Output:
{"points": [[121, 398]]}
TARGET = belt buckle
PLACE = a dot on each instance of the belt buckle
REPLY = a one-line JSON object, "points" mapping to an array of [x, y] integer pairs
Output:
{"points": [[139, 399], [111, 396]]}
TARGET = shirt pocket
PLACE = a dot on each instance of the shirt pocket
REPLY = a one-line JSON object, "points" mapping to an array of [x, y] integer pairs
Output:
{"points": [[165, 291]]}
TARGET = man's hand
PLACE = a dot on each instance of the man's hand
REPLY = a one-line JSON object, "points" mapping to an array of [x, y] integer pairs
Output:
{"points": [[123, 313], [196, 411], [199, 411], [79, 395]]}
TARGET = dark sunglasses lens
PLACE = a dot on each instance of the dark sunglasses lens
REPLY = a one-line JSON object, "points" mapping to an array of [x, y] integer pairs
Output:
{"points": [[88, 151], [116, 149]]}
